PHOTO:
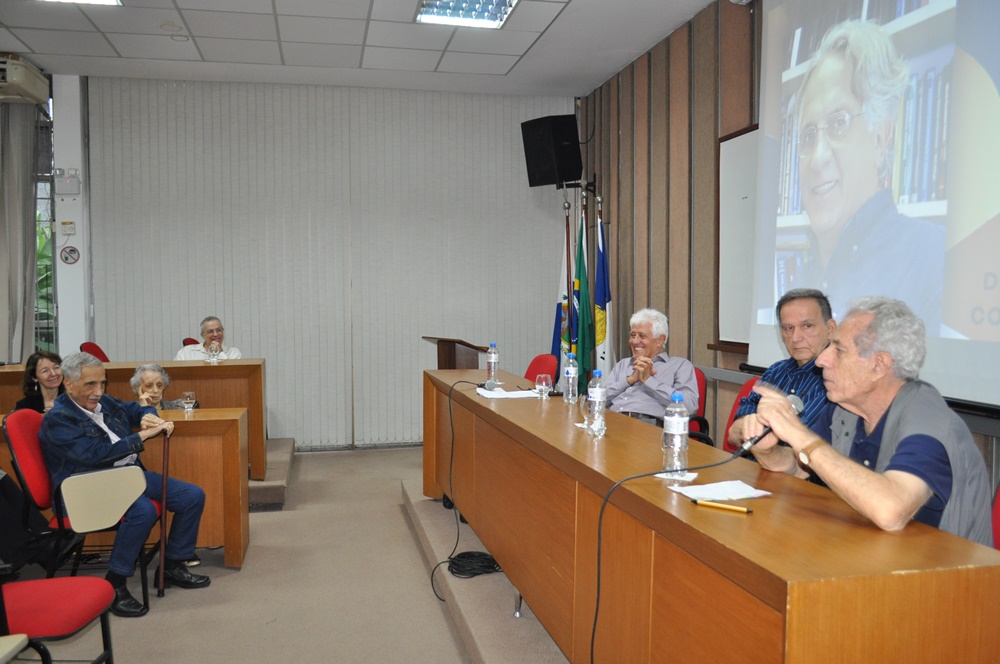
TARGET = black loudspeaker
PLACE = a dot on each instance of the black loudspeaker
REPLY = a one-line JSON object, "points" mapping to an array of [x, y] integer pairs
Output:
{"points": [[552, 150]]}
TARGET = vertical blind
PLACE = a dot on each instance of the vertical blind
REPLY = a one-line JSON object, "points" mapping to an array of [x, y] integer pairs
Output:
{"points": [[329, 228]]}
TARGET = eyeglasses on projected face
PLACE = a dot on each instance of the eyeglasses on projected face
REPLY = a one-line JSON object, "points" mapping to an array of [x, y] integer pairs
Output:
{"points": [[835, 129]]}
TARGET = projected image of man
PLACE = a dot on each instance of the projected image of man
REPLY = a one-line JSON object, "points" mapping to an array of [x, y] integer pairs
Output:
{"points": [[861, 243]]}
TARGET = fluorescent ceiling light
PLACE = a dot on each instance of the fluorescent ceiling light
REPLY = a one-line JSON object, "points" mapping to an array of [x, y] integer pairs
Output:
{"points": [[89, 2], [466, 13]]}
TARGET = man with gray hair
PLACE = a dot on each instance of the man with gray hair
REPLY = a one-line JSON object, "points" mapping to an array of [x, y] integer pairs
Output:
{"points": [[90, 430], [640, 386], [214, 334], [846, 117], [888, 444]]}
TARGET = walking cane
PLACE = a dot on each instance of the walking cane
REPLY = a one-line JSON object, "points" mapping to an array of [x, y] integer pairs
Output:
{"points": [[163, 514]]}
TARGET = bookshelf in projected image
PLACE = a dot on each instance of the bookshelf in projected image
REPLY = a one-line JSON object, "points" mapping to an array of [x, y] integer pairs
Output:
{"points": [[923, 32]]}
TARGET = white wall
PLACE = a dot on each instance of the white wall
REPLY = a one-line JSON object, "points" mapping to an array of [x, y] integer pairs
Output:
{"points": [[329, 228]]}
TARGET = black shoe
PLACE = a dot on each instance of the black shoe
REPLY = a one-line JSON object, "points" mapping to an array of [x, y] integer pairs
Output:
{"points": [[127, 606], [181, 577]]}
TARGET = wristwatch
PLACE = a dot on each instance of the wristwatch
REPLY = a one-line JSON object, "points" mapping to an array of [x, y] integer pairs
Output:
{"points": [[804, 452]]}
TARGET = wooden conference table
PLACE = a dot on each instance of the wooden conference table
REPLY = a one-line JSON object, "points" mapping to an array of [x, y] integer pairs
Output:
{"points": [[804, 578], [230, 384]]}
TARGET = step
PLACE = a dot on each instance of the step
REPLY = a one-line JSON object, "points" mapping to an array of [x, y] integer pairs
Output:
{"points": [[481, 608], [268, 494]]}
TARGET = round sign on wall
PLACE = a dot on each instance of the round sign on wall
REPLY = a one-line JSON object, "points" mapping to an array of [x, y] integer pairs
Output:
{"points": [[69, 255]]}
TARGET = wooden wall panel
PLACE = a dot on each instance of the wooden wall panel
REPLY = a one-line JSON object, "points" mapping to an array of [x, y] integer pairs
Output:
{"points": [[736, 67], [659, 161], [640, 179], [679, 188], [704, 181], [626, 191]]}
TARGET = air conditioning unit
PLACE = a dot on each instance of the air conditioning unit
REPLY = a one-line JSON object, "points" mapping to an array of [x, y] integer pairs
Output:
{"points": [[21, 83]]}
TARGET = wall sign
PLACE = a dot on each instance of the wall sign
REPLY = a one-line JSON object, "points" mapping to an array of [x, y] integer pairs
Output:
{"points": [[69, 255]]}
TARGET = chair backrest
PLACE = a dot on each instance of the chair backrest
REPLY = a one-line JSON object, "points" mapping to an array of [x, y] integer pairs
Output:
{"points": [[188, 341], [744, 391], [97, 500], [702, 386], [542, 364], [996, 520], [21, 428], [95, 350]]}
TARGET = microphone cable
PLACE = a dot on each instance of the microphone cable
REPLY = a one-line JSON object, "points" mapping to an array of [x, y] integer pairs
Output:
{"points": [[600, 525], [467, 564]]}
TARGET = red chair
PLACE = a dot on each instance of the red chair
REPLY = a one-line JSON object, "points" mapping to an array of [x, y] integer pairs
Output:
{"points": [[542, 364], [21, 428], [54, 609], [744, 391], [698, 423], [95, 350], [189, 341], [996, 520]]}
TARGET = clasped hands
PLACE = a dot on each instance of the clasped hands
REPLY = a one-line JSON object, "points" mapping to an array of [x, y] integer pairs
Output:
{"points": [[151, 426], [642, 369]]}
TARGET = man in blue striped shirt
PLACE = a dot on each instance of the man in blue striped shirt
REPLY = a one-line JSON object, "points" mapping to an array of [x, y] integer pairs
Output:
{"points": [[806, 324]]}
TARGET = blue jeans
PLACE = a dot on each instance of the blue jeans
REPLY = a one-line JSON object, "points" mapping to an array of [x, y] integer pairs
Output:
{"points": [[185, 500]]}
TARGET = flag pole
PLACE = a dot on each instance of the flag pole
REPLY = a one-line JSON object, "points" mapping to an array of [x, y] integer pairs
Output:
{"points": [[569, 277]]}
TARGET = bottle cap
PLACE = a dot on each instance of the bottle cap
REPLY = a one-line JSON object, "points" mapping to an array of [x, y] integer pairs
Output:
{"points": [[571, 355], [597, 373], [677, 397]]}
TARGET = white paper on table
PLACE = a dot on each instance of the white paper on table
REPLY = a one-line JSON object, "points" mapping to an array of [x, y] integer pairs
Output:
{"points": [[728, 490], [499, 393], [686, 477]]}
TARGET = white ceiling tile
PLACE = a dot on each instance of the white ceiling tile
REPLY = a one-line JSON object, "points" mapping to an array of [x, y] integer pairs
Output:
{"points": [[231, 26], [157, 4], [404, 59], [134, 20], [65, 42], [321, 30], [474, 63], [501, 42], [155, 47], [532, 16], [240, 50], [252, 6], [403, 11], [322, 55], [10, 43], [43, 15], [327, 8], [408, 35]]}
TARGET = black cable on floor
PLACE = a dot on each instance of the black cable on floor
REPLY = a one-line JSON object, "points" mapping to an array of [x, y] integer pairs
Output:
{"points": [[468, 563]]}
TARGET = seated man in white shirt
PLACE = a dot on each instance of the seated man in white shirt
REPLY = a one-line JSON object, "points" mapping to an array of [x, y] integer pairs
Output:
{"points": [[213, 333], [640, 386]]}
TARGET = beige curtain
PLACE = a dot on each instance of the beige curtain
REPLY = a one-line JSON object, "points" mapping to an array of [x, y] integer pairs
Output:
{"points": [[17, 230]]}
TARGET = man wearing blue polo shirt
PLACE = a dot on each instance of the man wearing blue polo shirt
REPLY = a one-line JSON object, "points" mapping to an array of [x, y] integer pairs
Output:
{"points": [[806, 325], [887, 444]]}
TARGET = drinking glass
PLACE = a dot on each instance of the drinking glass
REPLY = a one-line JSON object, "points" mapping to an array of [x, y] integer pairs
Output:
{"points": [[188, 400], [543, 385]]}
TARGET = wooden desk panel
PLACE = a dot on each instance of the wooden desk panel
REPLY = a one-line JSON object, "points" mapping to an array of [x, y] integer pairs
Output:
{"points": [[230, 384], [812, 579]]}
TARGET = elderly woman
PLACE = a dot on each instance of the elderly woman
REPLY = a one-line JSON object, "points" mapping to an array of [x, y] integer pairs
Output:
{"points": [[148, 382], [43, 382]]}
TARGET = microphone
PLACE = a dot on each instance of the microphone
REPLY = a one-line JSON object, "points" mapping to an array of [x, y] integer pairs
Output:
{"points": [[797, 406], [491, 385]]}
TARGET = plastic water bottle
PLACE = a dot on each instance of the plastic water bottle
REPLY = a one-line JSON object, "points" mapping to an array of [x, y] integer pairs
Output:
{"points": [[571, 373], [675, 436], [492, 362], [597, 400]]}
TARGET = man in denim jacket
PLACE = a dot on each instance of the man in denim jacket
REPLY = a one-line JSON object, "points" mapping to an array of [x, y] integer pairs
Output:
{"points": [[89, 430]]}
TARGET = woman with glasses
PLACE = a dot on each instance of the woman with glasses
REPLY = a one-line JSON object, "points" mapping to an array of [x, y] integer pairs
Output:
{"points": [[43, 382]]}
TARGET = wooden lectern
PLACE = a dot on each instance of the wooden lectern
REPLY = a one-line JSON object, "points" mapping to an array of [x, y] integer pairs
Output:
{"points": [[456, 354]]}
